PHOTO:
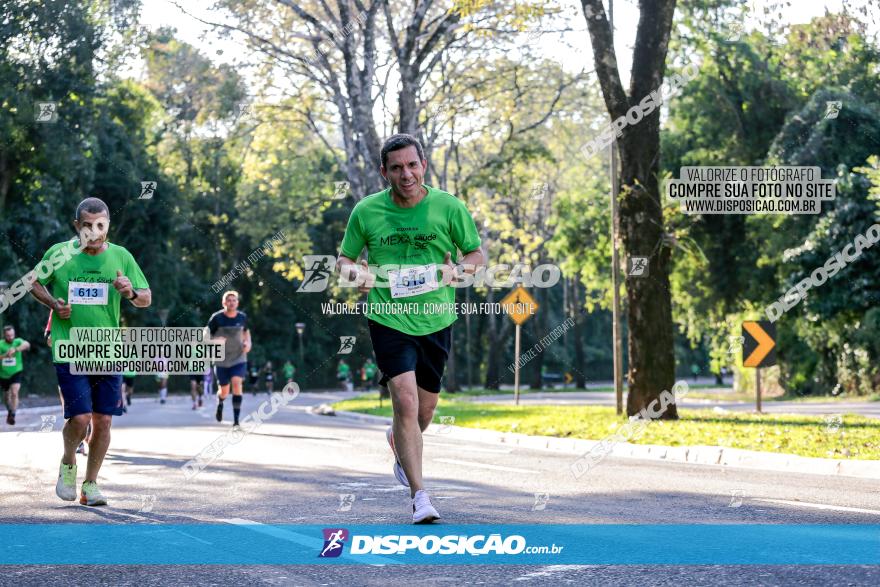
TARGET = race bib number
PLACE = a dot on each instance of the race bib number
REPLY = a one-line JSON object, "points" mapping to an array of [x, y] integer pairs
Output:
{"points": [[9, 361], [87, 294], [413, 281]]}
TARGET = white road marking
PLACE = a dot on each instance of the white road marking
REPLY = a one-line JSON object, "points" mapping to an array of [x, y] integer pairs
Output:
{"points": [[337, 444], [549, 571], [468, 448], [487, 466], [820, 506]]}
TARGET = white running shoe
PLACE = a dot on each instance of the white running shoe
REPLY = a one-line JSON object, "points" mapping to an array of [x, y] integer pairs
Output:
{"points": [[423, 510], [91, 495], [65, 488], [398, 469]]}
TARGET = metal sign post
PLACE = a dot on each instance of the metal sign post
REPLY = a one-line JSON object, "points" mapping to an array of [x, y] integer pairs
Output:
{"points": [[759, 350], [516, 368], [758, 389], [520, 306]]}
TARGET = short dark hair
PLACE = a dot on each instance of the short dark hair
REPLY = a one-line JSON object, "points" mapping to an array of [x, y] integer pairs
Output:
{"points": [[398, 142], [8, 327], [92, 206]]}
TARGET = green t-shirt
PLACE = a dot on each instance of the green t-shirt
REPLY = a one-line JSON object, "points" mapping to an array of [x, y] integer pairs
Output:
{"points": [[86, 282], [343, 370], [12, 365], [370, 370], [411, 237], [289, 370]]}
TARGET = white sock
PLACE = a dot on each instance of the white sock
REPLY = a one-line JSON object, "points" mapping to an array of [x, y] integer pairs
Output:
{"points": [[163, 393]]}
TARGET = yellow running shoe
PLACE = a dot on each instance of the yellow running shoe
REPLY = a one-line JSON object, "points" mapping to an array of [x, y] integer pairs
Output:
{"points": [[91, 495], [65, 488]]}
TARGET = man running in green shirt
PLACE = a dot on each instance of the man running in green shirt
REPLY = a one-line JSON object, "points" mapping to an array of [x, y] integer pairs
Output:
{"points": [[369, 374], [11, 366], [343, 371], [289, 371], [416, 228], [86, 291]]}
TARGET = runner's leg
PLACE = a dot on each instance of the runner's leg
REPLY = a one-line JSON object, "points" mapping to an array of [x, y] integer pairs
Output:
{"points": [[98, 444], [73, 433], [236, 398], [407, 435], [223, 391], [427, 404], [12, 401]]}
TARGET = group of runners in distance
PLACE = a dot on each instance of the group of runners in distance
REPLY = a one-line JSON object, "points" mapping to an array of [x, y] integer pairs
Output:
{"points": [[411, 350]]}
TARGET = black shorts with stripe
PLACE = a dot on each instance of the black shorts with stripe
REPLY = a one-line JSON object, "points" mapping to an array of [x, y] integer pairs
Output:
{"points": [[398, 352]]}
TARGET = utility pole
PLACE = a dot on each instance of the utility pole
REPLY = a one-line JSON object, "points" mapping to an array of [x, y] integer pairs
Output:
{"points": [[615, 262]]}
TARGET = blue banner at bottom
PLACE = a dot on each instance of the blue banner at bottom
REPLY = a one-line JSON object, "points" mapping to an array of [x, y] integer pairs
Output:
{"points": [[247, 543]]}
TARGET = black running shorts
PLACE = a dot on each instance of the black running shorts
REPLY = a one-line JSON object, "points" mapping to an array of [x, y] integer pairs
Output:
{"points": [[398, 352]]}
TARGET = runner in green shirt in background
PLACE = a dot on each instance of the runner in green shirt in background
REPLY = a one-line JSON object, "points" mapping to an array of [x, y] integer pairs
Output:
{"points": [[370, 373], [289, 371], [11, 366], [343, 374]]}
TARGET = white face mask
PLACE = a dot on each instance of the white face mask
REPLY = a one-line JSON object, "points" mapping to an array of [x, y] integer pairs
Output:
{"points": [[97, 231]]}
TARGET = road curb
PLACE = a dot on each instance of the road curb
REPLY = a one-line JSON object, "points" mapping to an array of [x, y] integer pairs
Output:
{"points": [[697, 455]]}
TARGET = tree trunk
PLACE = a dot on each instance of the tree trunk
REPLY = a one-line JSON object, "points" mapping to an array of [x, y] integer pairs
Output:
{"points": [[649, 302], [540, 330], [577, 313]]}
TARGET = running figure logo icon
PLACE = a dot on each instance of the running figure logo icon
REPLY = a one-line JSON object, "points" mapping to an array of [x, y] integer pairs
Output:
{"points": [[832, 109], [47, 424], [341, 189], [539, 190], [147, 503], [346, 345], [638, 266], [334, 540], [736, 498], [242, 110], [46, 112], [541, 500], [345, 502], [317, 270], [148, 188]]}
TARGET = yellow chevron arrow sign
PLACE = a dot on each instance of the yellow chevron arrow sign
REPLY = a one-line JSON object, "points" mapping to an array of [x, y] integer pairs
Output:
{"points": [[759, 344]]}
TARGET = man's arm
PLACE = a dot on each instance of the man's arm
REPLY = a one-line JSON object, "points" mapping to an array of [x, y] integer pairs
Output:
{"points": [[350, 271], [246, 341], [23, 346], [139, 298], [42, 295], [144, 298], [473, 261], [469, 264]]}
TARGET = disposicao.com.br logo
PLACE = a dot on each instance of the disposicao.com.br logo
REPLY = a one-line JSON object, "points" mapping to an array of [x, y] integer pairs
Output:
{"points": [[455, 544]]}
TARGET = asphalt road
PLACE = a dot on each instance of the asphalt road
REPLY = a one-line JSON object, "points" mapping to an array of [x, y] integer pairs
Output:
{"points": [[295, 468]]}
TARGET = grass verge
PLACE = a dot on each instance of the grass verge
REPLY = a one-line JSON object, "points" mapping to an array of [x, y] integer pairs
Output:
{"points": [[856, 437]]}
